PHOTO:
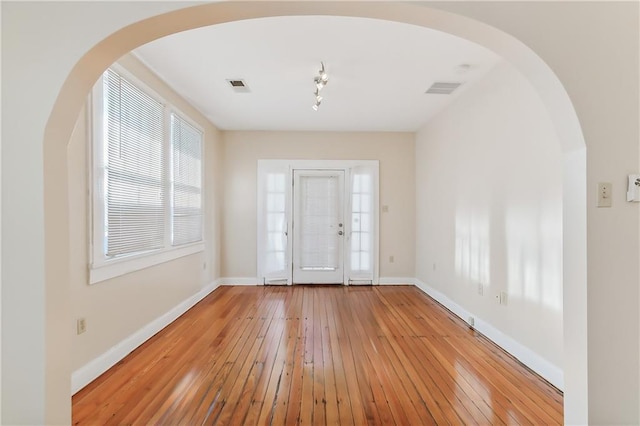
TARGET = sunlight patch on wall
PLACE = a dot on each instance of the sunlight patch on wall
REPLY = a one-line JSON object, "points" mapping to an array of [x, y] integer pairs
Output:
{"points": [[472, 244], [534, 255]]}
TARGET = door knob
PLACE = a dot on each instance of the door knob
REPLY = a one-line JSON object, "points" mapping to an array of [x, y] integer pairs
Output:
{"points": [[340, 232]]}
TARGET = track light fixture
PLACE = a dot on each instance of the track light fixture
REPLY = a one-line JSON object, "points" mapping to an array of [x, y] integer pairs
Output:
{"points": [[320, 81]]}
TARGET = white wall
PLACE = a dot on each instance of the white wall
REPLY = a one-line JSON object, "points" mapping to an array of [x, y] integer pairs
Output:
{"points": [[395, 151], [589, 46], [117, 308], [489, 209]]}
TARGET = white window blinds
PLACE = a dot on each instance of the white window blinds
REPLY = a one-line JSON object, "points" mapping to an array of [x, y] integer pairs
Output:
{"points": [[148, 197], [319, 214], [186, 142], [133, 169]]}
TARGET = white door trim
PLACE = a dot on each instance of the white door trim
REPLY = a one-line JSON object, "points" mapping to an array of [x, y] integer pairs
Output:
{"points": [[264, 166]]}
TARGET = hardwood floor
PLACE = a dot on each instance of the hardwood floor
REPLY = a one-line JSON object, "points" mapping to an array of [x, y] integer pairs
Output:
{"points": [[318, 355]]}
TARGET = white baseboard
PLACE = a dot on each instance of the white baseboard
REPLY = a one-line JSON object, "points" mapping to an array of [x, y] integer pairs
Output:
{"points": [[544, 368], [90, 371], [240, 281], [255, 281], [396, 281]]}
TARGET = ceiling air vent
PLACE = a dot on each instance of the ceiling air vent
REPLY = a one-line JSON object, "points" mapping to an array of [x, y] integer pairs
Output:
{"points": [[442, 88], [238, 85]]}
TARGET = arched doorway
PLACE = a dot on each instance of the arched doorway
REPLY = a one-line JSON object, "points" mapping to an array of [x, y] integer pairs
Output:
{"points": [[78, 83]]}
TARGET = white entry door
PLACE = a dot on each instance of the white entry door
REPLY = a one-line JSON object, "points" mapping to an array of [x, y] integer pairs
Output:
{"points": [[318, 226]]}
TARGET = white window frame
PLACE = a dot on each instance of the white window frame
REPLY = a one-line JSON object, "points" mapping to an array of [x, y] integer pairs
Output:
{"points": [[360, 276], [267, 276], [102, 268], [280, 166]]}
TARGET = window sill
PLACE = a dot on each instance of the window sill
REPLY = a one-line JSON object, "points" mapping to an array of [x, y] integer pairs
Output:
{"points": [[117, 267]]}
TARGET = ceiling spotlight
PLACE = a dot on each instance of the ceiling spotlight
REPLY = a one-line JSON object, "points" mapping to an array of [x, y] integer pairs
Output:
{"points": [[315, 107], [323, 74]]}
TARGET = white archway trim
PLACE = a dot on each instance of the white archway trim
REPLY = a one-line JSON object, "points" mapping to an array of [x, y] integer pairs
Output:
{"points": [[99, 56]]}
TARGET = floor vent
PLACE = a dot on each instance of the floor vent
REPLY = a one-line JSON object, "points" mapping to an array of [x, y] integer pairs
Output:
{"points": [[360, 282]]}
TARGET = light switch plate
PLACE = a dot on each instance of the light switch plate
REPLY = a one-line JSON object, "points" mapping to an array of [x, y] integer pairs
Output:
{"points": [[633, 189], [604, 194]]}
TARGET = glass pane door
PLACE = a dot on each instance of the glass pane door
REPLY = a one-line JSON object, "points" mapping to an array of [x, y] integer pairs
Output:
{"points": [[318, 226]]}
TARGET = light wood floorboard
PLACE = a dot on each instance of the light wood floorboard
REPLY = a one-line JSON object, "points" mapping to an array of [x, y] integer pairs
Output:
{"points": [[318, 355]]}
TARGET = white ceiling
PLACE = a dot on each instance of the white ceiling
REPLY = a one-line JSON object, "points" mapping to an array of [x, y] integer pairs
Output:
{"points": [[378, 72]]}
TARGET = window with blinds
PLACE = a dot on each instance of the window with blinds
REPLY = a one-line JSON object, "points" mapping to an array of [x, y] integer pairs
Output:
{"points": [[186, 145], [134, 168], [147, 173]]}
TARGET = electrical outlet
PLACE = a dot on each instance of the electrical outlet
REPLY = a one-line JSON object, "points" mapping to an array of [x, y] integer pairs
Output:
{"points": [[434, 266], [504, 298], [392, 259], [480, 289], [385, 209], [471, 321], [81, 325]]}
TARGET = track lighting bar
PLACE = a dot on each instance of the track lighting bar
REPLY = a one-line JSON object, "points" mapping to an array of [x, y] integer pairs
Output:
{"points": [[320, 81]]}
